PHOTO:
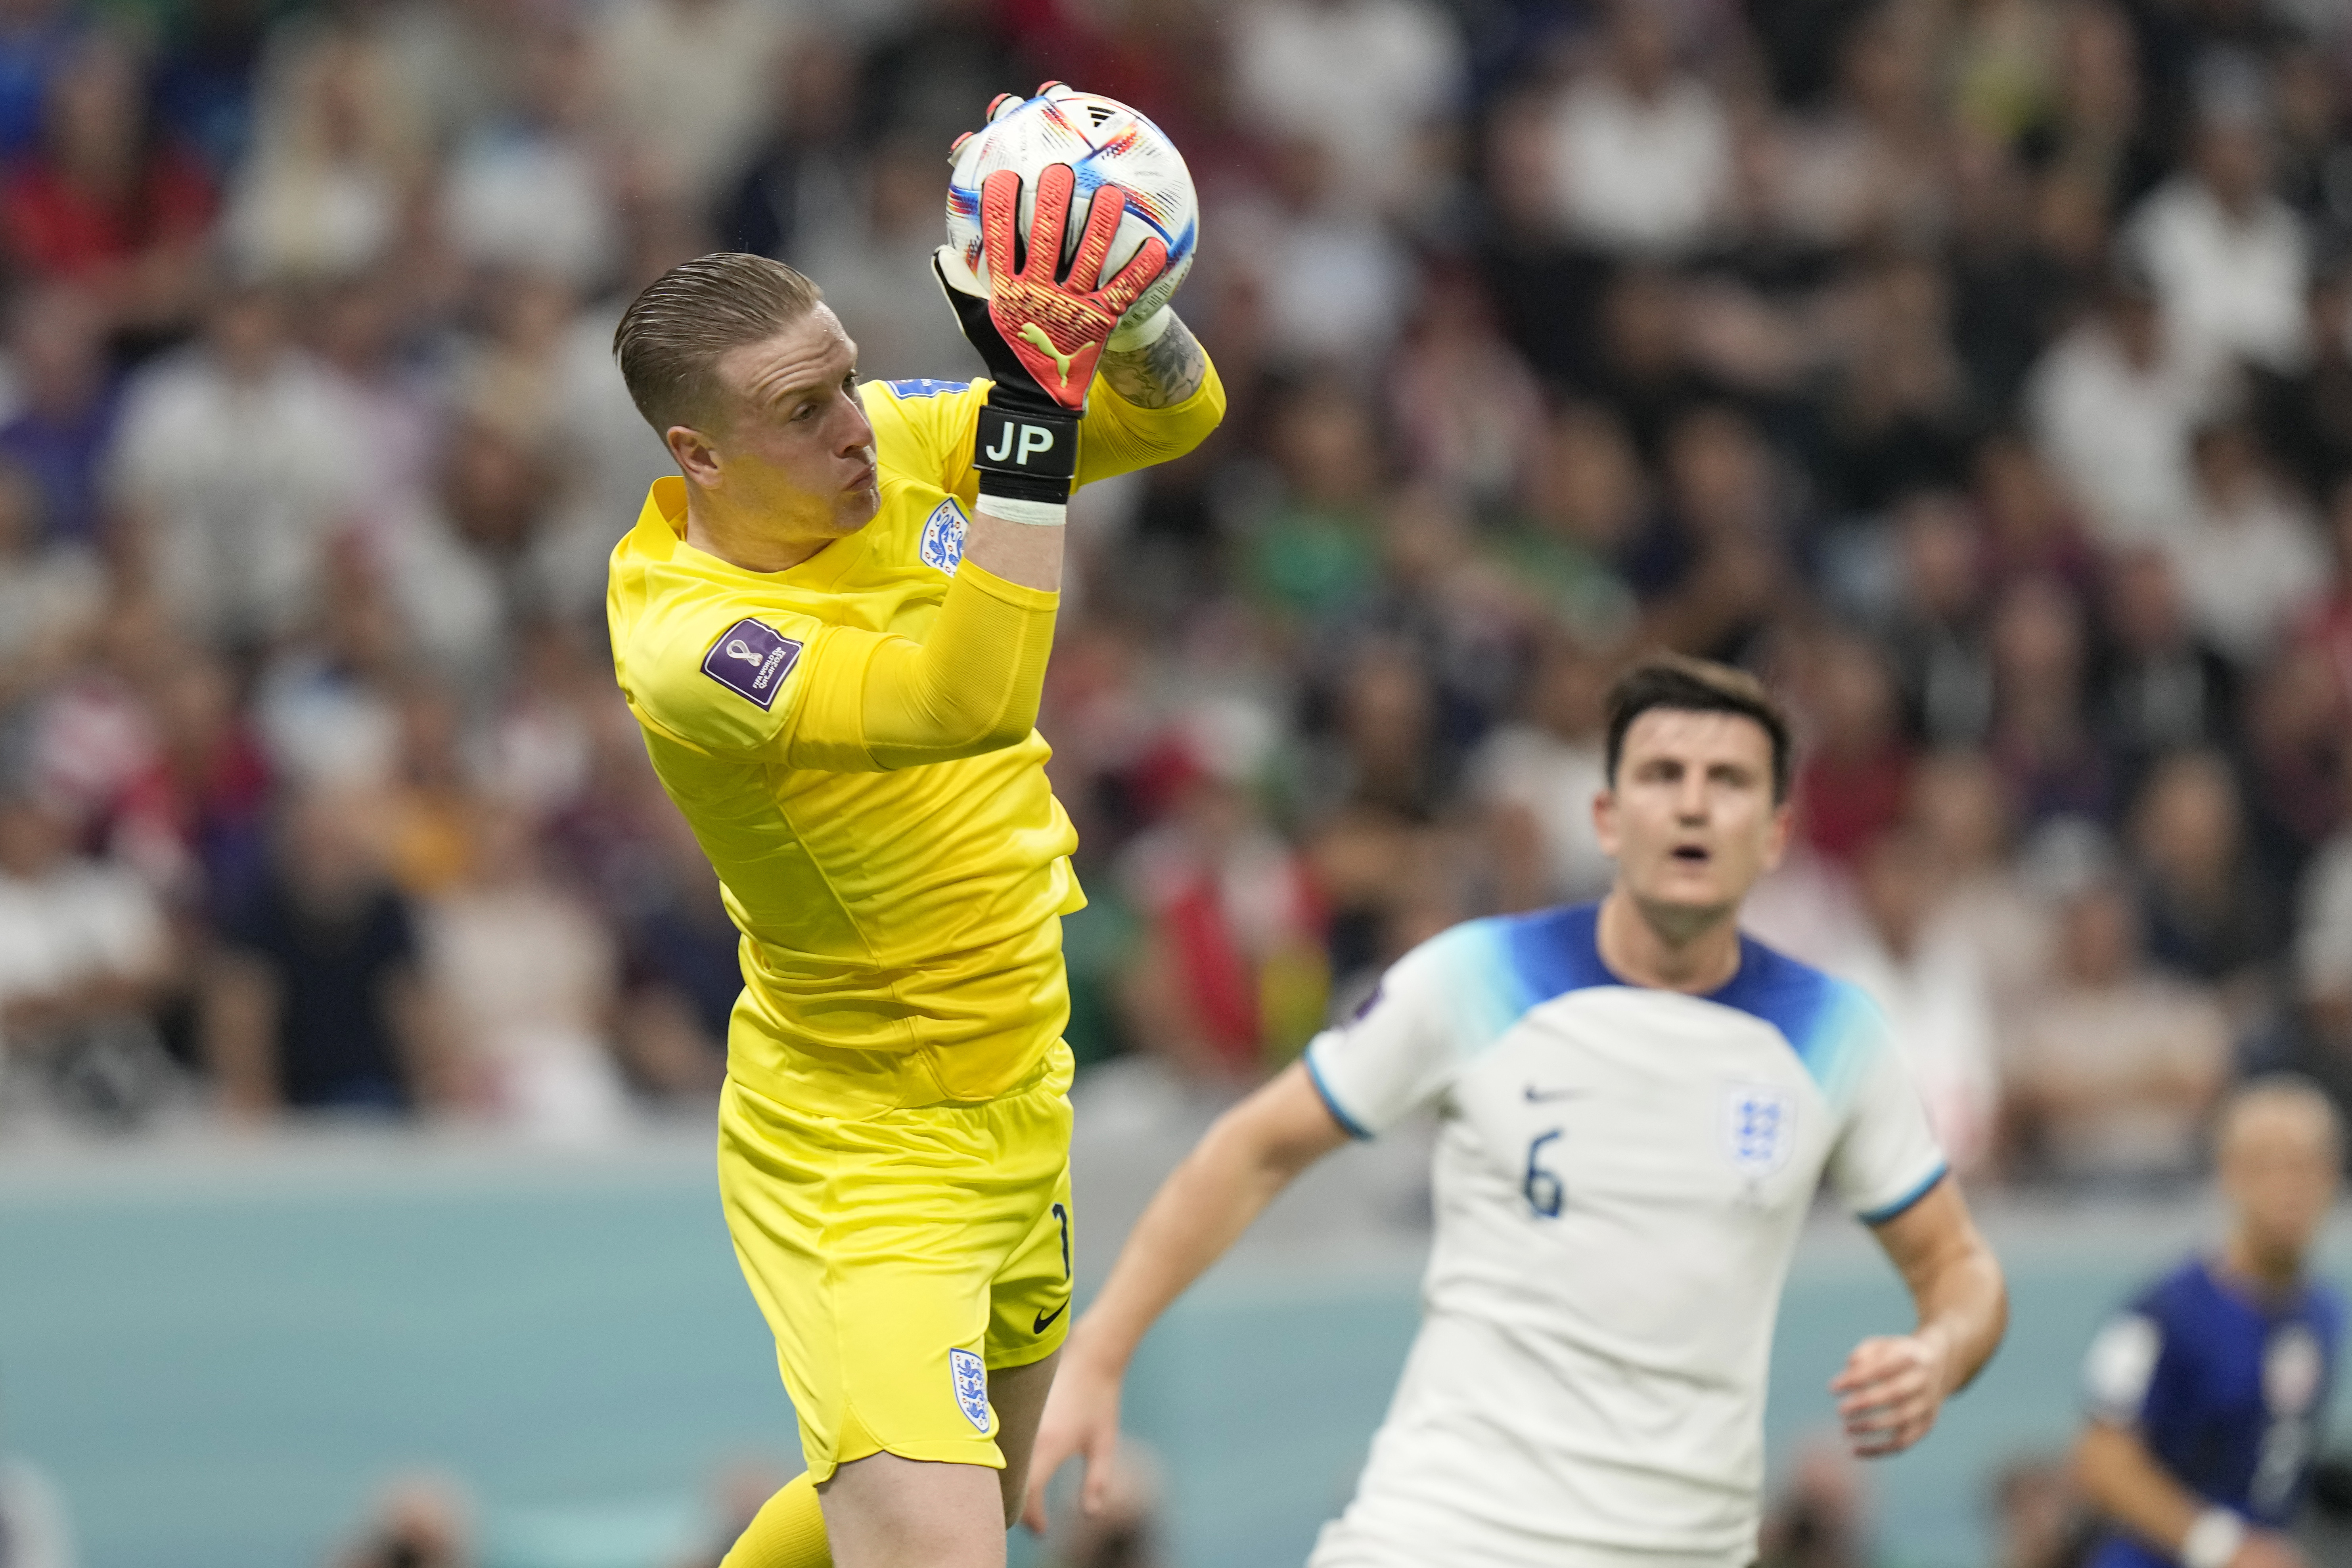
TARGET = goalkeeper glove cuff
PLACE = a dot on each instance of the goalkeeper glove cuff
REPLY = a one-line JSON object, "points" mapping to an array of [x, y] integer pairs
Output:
{"points": [[1131, 334], [1026, 450]]}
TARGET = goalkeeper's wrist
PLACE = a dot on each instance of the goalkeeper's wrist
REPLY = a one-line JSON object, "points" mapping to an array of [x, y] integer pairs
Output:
{"points": [[1126, 337], [1031, 514], [1027, 455]]}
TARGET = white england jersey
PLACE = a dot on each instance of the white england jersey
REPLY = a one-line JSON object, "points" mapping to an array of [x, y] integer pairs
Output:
{"points": [[1619, 1183]]}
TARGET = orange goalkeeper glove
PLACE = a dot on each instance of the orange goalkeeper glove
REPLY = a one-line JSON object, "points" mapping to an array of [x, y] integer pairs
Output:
{"points": [[1040, 334], [1052, 325]]}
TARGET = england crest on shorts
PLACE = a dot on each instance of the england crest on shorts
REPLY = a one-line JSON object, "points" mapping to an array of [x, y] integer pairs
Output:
{"points": [[942, 542], [970, 1388], [1759, 1127]]}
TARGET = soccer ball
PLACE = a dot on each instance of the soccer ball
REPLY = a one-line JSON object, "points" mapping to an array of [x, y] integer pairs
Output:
{"points": [[1106, 143]]}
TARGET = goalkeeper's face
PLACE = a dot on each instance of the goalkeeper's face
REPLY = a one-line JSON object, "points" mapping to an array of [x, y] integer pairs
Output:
{"points": [[1690, 816], [793, 455]]}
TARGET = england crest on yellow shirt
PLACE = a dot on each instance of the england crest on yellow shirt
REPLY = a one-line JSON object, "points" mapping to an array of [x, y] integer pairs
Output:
{"points": [[941, 546]]}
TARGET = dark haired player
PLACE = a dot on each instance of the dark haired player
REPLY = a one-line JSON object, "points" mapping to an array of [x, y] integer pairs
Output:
{"points": [[1639, 1104], [832, 626], [2207, 1394]]}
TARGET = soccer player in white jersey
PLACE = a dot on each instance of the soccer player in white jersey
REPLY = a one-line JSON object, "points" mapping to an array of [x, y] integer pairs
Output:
{"points": [[1639, 1104]]}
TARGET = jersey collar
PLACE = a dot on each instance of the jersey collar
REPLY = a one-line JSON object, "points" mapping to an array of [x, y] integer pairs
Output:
{"points": [[1729, 994], [2245, 1294]]}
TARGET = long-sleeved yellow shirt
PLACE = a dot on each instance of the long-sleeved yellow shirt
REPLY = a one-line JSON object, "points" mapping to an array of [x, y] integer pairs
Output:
{"points": [[853, 741]]}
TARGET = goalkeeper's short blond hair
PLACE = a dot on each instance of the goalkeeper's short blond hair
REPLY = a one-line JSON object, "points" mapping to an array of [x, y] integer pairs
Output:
{"points": [[673, 333]]}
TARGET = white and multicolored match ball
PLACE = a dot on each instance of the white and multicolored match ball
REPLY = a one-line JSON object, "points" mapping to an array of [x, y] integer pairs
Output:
{"points": [[1106, 143]]}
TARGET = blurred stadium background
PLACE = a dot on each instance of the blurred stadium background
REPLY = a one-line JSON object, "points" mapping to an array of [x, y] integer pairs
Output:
{"points": [[1979, 370]]}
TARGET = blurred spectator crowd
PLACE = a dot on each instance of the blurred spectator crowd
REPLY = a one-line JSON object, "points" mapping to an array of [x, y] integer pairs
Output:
{"points": [[1978, 371]]}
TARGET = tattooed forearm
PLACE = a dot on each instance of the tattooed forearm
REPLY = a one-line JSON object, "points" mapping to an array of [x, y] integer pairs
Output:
{"points": [[1159, 374]]}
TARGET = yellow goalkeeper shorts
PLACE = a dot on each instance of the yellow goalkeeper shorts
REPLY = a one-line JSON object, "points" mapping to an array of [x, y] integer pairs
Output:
{"points": [[899, 1252]]}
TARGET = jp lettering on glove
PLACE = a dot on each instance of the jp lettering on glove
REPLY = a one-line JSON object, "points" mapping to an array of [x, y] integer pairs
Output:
{"points": [[1026, 454]]}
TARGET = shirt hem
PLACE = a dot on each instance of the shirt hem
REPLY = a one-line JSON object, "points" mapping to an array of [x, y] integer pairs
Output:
{"points": [[1905, 1204], [1348, 1124]]}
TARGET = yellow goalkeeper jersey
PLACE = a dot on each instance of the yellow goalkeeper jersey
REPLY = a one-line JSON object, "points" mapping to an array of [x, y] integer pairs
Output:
{"points": [[901, 930]]}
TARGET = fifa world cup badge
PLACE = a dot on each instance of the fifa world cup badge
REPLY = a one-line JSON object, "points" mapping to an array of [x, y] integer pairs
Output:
{"points": [[971, 1379], [1759, 1125], [752, 660], [941, 546]]}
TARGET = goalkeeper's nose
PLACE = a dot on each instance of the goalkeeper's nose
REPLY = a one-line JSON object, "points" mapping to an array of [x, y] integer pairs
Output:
{"points": [[852, 433]]}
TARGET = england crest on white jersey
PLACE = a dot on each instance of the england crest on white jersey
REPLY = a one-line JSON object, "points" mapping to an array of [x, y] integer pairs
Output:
{"points": [[1759, 1125]]}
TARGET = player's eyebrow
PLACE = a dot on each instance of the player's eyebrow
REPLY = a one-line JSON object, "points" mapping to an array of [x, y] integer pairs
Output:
{"points": [[802, 384], [796, 391]]}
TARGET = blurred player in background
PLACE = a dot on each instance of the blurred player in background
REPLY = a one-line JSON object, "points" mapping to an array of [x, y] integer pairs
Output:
{"points": [[2206, 1394], [833, 629], [1639, 1105]]}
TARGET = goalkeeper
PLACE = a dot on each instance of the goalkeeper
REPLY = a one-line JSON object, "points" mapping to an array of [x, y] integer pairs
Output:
{"points": [[833, 629]]}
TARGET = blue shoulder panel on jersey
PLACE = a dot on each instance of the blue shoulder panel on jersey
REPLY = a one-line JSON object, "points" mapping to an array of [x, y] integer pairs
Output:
{"points": [[1827, 1022], [1505, 964], [924, 386], [1557, 950]]}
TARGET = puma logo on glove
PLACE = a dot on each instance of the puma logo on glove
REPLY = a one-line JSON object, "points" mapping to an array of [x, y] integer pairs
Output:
{"points": [[1057, 325]]}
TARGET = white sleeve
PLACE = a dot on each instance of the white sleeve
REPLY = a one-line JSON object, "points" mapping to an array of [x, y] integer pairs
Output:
{"points": [[1396, 1054], [2119, 1368], [1886, 1157]]}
